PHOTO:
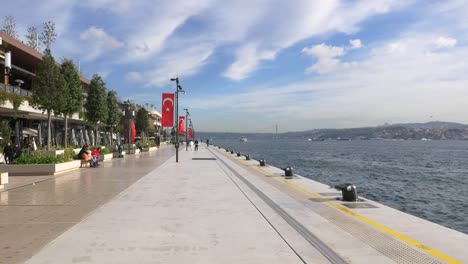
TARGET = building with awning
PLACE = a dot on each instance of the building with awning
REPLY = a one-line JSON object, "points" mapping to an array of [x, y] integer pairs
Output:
{"points": [[17, 79]]}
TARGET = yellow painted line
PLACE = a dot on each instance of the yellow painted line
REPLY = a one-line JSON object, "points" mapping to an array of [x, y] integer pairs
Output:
{"points": [[366, 220]]}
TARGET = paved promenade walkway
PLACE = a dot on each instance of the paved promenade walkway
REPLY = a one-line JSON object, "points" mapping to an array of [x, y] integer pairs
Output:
{"points": [[33, 215], [211, 207]]}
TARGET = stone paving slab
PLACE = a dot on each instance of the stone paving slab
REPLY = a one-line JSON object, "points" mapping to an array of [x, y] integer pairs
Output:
{"points": [[32, 215], [187, 212]]}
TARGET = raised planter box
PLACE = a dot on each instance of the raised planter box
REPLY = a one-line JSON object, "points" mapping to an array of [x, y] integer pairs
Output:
{"points": [[150, 149], [3, 179], [107, 157], [55, 152], [40, 169]]}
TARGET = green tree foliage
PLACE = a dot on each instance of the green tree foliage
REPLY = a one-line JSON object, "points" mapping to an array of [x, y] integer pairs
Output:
{"points": [[73, 93], [96, 102], [141, 123], [48, 89], [5, 132], [113, 110]]}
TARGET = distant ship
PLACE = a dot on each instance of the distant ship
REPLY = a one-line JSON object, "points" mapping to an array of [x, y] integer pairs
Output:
{"points": [[315, 139], [243, 139]]}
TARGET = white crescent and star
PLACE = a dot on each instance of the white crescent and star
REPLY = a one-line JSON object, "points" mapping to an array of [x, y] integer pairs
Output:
{"points": [[168, 99]]}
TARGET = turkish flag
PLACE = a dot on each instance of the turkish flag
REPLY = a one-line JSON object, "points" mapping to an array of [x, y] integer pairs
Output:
{"points": [[189, 133], [133, 132], [181, 125], [167, 119]]}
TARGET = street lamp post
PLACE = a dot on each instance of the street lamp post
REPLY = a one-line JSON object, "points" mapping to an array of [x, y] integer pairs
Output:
{"points": [[178, 89], [187, 114], [129, 115]]}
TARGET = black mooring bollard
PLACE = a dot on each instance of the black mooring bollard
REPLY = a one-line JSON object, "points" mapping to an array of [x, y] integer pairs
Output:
{"points": [[247, 157], [348, 192], [232, 151], [288, 172], [238, 154], [262, 162], [227, 150]]}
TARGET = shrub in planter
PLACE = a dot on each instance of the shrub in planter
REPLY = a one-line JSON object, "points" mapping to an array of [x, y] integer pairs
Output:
{"points": [[69, 154], [39, 157], [105, 151]]}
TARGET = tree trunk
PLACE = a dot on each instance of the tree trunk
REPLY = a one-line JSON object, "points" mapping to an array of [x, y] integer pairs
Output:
{"points": [[65, 142], [49, 132], [111, 136]]}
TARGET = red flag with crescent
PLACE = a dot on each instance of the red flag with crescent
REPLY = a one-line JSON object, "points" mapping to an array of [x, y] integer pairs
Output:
{"points": [[181, 125], [189, 133], [167, 119], [133, 132]]}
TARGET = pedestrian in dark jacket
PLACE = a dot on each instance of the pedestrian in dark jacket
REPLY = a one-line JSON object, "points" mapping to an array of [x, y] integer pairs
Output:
{"points": [[8, 153], [196, 145], [18, 151]]}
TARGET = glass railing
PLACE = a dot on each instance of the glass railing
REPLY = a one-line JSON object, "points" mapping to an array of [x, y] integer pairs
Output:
{"points": [[15, 90]]}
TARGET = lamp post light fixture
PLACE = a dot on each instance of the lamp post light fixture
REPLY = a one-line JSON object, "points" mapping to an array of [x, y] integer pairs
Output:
{"points": [[7, 67], [178, 90], [187, 115]]}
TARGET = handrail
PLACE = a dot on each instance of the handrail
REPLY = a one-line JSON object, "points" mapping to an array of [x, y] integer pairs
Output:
{"points": [[16, 90]]}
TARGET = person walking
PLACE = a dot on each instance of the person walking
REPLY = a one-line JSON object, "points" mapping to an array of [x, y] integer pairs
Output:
{"points": [[207, 142], [196, 145], [8, 153], [191, 144]]}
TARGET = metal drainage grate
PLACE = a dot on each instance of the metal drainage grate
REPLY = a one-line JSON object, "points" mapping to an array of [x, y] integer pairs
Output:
{"points": [[203, 159]]}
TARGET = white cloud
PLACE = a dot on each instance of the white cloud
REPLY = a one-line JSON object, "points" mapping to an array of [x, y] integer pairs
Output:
{"points": [[301, 21], [326, 58], [248, 62], [408, 85], [185, 63], [355, 43], [134, 76], [443, 42], [99, 42]]}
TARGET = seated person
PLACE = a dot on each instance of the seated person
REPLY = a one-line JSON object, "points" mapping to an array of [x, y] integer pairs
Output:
{"points": [[85, 157], [95, 156]]}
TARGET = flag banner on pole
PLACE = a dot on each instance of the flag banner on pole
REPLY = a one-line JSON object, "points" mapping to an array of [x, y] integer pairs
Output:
{"points": [[167, 119], [181, 125], [189, 133], [133, 132]]}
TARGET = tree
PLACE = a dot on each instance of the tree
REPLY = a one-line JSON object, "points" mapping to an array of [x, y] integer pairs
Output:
{"points": [[9, 27], [48, 34], [96, 102], [32, 38], [114, 114], [5, 132], [141, 123], [73, 92], [48, 89]]}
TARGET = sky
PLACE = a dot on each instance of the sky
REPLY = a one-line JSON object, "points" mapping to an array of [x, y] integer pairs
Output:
{"points": [[247, 66]]}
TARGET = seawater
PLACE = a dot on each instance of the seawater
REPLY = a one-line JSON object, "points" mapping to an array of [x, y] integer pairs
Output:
{"points": [[428, 179]]}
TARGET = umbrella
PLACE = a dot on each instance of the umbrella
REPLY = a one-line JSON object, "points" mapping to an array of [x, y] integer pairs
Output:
{"points": [[39, 134], [34, 144], [73, 137], [86, 137], [92, 138]]}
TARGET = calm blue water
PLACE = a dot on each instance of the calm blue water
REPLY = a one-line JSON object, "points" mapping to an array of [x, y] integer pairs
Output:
{"points": [[428, 179]]}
